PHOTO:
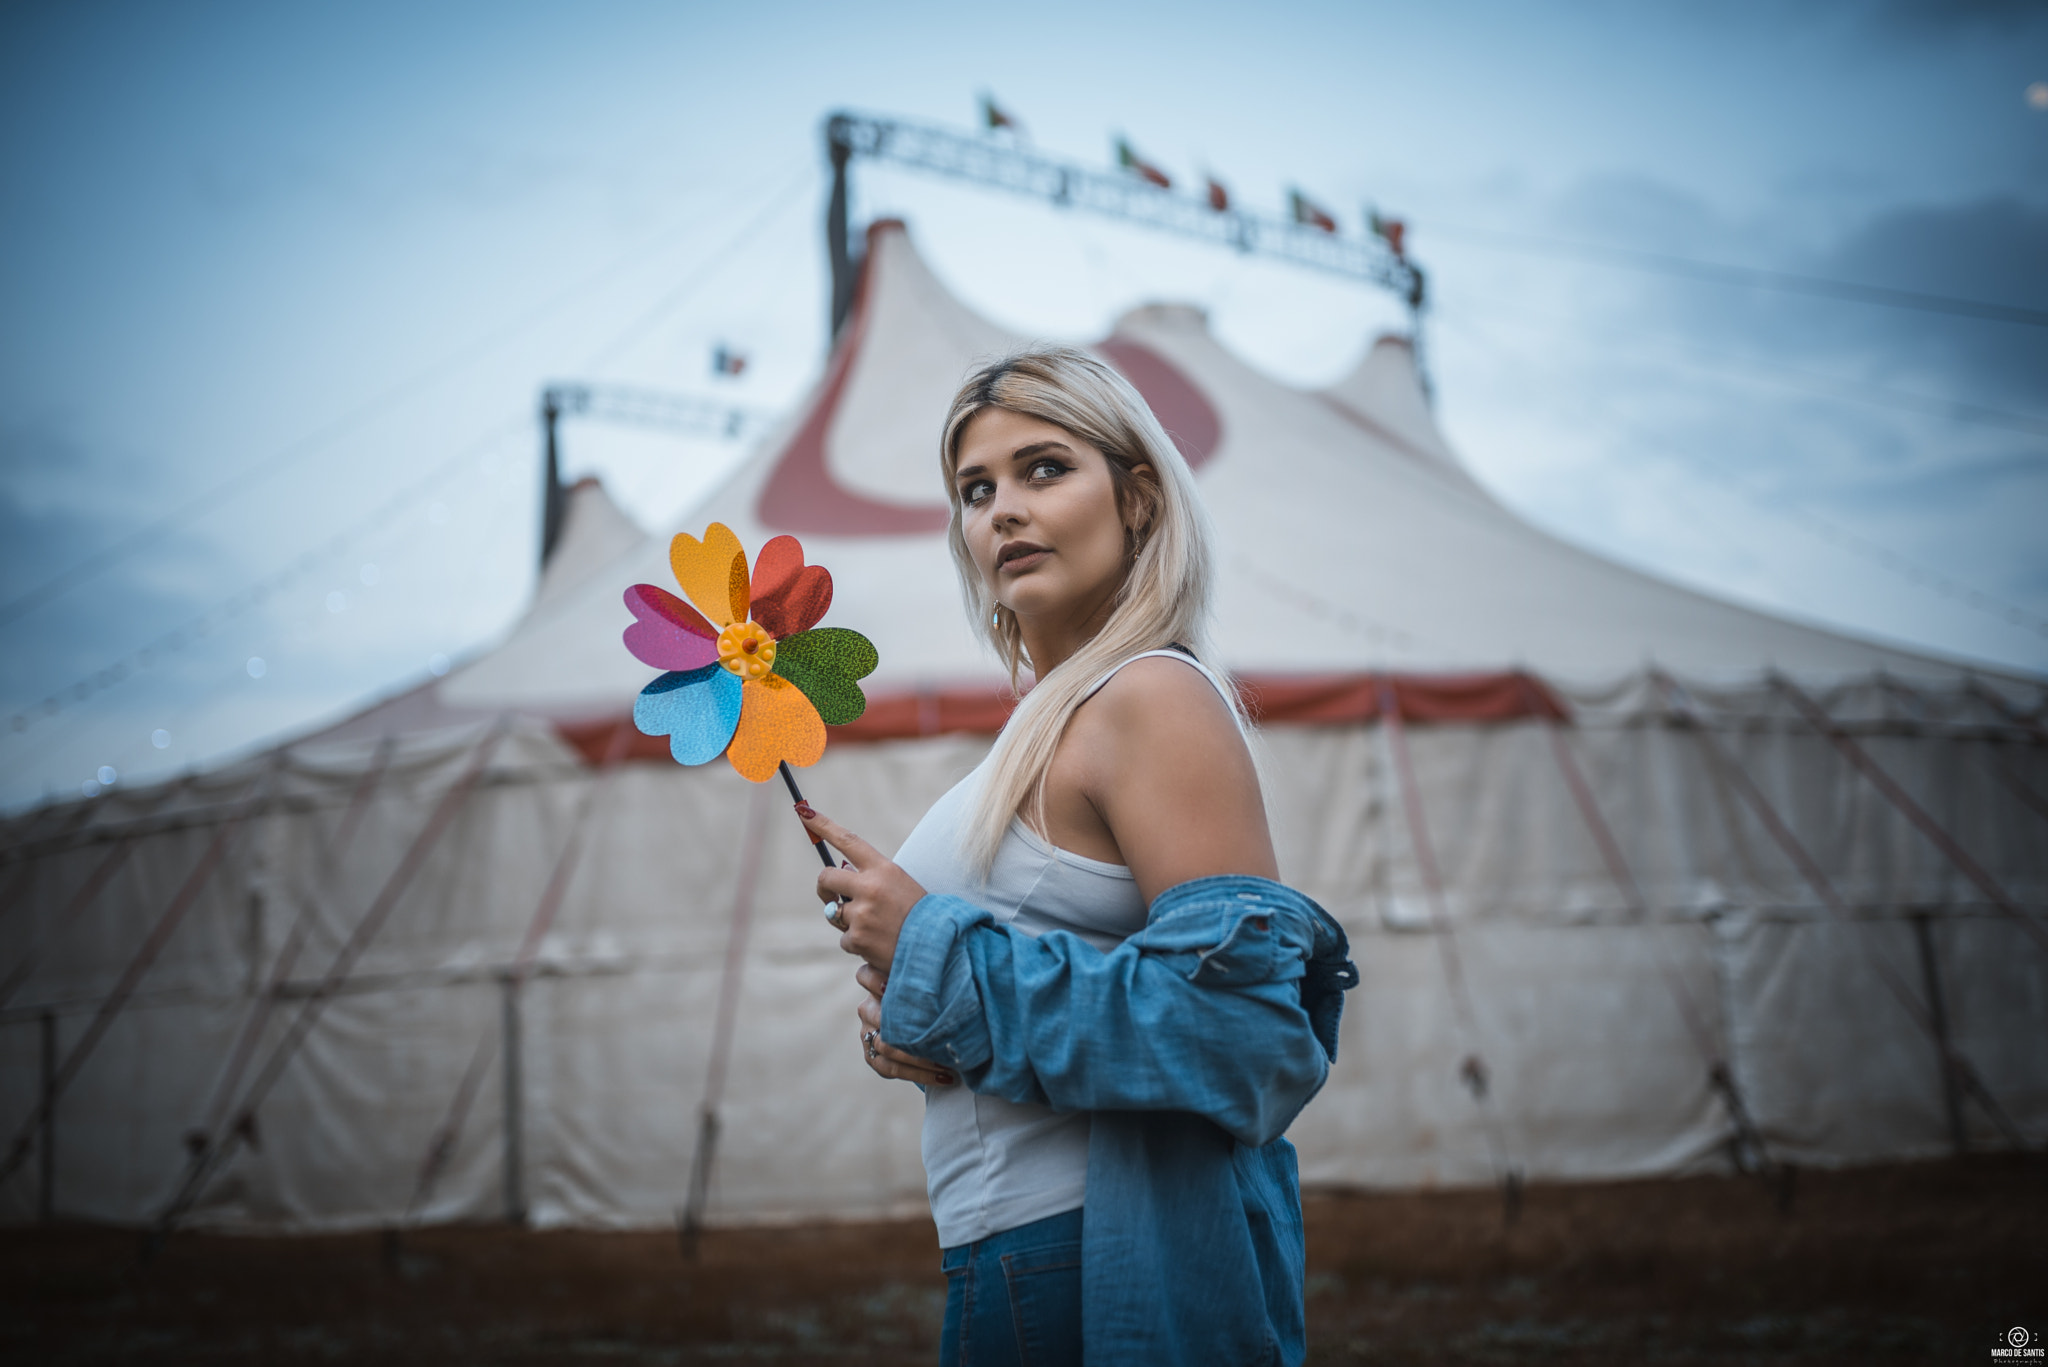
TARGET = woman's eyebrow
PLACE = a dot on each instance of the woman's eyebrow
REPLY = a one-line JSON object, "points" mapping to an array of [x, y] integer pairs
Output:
{"points": [[1036, 448]]}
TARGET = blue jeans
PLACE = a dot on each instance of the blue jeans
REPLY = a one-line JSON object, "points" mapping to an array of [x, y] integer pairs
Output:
{"points": [[1014, 1299]]}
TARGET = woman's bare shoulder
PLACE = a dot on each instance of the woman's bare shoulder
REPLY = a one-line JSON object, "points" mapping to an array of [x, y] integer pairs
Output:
{"points": [[1172, 777], [1161, 697]]}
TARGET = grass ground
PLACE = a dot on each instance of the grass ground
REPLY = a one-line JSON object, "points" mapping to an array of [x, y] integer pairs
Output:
{"points": [[1921, 1263]]}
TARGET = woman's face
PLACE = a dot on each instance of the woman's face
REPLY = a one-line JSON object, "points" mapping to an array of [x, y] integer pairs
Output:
{"points": [[1039, 510]]}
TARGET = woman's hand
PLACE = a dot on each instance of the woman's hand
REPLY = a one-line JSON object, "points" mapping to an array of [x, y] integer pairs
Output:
{"points": [[874, 895], [884, 1059]]}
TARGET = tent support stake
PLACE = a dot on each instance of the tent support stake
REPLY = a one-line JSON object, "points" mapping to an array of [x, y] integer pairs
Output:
{"points": [[690, 1220], [46, 1194], [1937, 1011], [515, 1120]]}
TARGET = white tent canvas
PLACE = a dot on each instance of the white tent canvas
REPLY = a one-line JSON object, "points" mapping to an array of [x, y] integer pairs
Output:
{"points": [[1639, 881]]}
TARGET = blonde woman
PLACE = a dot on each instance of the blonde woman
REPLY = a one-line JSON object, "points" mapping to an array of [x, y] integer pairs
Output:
{"points": [[1081, 953]]}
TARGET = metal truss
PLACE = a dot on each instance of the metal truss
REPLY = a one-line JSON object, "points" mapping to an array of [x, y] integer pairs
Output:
{"points": [[1003, 165], [652, 408]]}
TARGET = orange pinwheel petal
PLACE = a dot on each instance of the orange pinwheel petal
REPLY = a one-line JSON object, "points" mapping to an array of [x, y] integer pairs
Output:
{"points": [[777, 722], [712, 573], [736, 586]]}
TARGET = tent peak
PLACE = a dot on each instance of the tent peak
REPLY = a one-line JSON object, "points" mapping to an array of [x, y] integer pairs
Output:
{"points": [[595, 533], [1166, 317]]}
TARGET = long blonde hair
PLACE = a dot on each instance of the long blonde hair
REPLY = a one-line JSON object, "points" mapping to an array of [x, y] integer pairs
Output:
{"points": [[1163, 600]]}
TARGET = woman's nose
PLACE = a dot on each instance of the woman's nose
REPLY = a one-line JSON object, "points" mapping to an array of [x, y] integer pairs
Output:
{"points": [[1006, 508]]}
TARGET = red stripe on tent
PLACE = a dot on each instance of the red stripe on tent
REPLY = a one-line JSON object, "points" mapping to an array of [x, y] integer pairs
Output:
{"points": [[801, 495], [1183, 410], [1423, 699]]}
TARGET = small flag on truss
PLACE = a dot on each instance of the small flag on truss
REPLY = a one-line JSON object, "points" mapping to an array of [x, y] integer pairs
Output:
{"points": [[1128, 158], [1391, 231], [1307, 212], [994, 116]]}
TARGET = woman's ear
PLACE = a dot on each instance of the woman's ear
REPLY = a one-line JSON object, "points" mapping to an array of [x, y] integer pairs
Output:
{"points": [[1140, 499]]}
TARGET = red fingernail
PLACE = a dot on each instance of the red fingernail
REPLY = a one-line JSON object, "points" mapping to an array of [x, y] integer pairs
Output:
{"points": [[945, 1079], [844, 864], [804, 810]]}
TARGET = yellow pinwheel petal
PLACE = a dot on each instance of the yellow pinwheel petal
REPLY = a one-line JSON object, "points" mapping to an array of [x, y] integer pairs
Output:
{"points": [[777, 722], [712, 573]]}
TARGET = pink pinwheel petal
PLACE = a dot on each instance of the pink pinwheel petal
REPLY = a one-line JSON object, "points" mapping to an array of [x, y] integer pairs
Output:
{"points": [[789, 596], [670, 634]]}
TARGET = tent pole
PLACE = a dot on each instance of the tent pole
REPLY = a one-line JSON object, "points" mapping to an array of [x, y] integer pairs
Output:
{"points": [[1955, 1068], [441, 1146], [552, 496], [1937, 1010], [1472, 1070], [698, 1195], [839, 149], [515, 1120], [1937, 835], [46, 1193]]}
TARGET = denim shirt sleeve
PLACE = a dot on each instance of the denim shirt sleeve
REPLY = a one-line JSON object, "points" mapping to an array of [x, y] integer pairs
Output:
{"points": [[1203, 1011]]}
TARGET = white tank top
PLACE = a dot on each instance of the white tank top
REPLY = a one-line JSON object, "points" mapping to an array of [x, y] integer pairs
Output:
{"points": [[990, 1164]]}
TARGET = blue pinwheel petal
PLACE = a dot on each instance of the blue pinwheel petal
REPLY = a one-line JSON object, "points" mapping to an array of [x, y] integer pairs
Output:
{"points": [[697, 710]]}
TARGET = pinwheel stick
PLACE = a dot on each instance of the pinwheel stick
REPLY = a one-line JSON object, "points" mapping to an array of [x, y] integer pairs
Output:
{"points": [[796, 795]]}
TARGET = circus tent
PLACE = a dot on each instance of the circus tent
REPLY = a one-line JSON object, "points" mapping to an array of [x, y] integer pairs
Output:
{"points": [[1640, 882]]}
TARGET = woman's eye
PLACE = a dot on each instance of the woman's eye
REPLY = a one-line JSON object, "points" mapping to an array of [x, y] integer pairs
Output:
{"points": [[976, 492], [1047, 469]]}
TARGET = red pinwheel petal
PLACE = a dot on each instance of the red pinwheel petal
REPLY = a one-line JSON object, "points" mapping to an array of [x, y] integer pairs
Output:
{"points": [[670, 634], [789, 596]]}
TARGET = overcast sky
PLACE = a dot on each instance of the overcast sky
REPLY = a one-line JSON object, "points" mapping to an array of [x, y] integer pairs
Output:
{"points": [[281, 285]]}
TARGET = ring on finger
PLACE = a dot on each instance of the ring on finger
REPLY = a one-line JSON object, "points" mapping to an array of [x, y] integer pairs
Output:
{"points": [[836, 915], [868, 1043]]}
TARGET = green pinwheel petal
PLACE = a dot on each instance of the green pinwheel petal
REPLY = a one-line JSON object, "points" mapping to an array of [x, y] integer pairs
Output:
{"points": [[824, 662]]}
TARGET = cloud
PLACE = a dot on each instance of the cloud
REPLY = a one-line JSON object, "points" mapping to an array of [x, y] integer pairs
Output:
{"points": [[1992, 250], [1824, 426]]}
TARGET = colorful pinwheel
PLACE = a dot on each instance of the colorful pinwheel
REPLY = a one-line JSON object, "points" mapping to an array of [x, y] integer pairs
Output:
{"points": [[749, 674]]}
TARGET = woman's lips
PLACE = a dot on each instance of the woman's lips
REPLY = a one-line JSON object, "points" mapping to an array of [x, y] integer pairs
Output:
{"points": [[1016, 564]]}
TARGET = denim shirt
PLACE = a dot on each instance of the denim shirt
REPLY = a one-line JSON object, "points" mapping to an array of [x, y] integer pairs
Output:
{"points": [[1194, 1044]]}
